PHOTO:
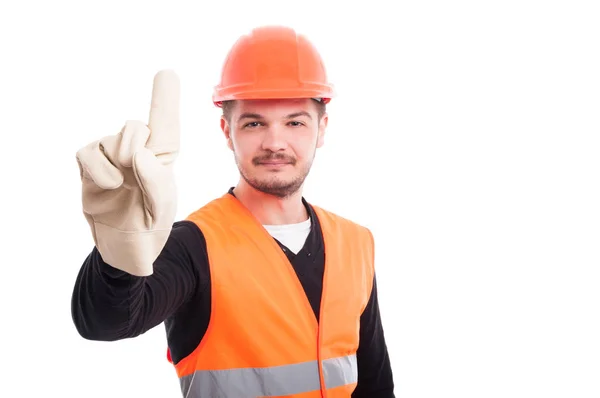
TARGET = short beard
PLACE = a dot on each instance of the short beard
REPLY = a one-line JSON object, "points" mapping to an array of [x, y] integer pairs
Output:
{"points": [[276, 187], [279, 189]]}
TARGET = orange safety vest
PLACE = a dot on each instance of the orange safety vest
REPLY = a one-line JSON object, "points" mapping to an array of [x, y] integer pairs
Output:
{"points": [[263, 339]]}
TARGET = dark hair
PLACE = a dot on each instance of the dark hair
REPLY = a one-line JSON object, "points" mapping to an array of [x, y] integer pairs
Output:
{"points": [[227, 107]]}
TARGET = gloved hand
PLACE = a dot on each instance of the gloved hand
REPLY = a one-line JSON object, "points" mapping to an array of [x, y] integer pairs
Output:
{"points": [[128, 187]]}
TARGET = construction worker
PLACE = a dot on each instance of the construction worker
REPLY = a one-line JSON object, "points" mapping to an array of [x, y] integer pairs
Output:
{"points": [[262, 293]]}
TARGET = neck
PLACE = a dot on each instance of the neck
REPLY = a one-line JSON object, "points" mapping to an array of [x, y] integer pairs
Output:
{"points": [[269, 209]]}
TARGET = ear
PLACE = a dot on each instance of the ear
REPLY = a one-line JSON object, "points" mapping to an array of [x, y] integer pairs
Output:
{"points": [[322, 128], [227, 131]]}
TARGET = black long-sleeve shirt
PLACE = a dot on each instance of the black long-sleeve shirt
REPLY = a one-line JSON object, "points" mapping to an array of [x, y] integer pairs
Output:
{"points": [[109, 304]]}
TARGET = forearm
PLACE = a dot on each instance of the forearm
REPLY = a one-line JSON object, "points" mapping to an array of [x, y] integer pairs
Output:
{"points": [[375, 377], [109, 304], [104, 300]]}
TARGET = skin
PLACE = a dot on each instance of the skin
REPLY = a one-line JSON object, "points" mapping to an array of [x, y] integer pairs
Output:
{"points": [[274, 143]]}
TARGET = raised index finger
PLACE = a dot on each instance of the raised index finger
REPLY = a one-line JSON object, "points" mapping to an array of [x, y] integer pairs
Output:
{"points": [[164, 114]]}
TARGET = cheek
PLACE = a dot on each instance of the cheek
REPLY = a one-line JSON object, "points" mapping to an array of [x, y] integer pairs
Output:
{"points": [[304, 148], [243, 148]]}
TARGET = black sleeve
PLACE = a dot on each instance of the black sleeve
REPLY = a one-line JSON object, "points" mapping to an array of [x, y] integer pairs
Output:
{"points": [[109, 304], [375, 379]]}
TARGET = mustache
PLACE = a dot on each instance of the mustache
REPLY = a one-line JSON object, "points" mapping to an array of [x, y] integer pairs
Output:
{"points": [[273, 156]]}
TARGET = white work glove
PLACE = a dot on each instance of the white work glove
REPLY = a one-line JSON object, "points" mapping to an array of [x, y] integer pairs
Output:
{"points": [[128, 187]]}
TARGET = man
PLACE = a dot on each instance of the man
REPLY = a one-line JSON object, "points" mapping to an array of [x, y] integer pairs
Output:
{"points": [[262, 294]]}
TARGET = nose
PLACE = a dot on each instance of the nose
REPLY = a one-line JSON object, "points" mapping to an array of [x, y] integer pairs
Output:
{"points": [[274, 139]]}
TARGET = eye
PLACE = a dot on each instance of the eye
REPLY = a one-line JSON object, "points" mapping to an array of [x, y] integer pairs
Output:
{"points": [[296, 123], [252, 124]]}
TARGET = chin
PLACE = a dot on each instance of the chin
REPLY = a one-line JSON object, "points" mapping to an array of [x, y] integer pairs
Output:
{"points": [[275, 183], [280, 186]]}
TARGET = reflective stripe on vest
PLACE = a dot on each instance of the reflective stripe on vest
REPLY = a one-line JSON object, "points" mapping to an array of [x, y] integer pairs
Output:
{"points": [[270, 382]]}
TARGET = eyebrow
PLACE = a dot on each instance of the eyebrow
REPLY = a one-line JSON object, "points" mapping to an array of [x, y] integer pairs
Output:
{"points": [[297, 114], [248, 115]]}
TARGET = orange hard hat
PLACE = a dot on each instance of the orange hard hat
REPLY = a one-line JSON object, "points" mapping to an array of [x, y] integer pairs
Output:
{"points": [[273, 62]]}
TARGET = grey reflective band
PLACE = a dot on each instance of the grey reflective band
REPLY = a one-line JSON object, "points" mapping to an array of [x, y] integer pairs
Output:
{"points": [[269, 382], [340, 371]]}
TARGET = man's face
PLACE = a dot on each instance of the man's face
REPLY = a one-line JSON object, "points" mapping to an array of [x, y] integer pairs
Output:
{"points": [[274, 142]]}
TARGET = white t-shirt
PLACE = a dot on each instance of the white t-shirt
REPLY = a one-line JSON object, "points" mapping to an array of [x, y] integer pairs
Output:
{"points": [[292, 236]]}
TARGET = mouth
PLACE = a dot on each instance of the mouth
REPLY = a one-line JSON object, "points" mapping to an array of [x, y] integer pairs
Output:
{"points": [[274, 164], [274, 161]]}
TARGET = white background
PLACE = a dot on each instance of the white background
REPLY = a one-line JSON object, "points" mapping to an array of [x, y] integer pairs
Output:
{"points": [[465, 135]]}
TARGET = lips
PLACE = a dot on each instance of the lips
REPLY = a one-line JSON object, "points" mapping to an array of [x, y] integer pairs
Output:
{"points": [[273, 161]]}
